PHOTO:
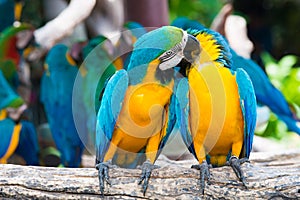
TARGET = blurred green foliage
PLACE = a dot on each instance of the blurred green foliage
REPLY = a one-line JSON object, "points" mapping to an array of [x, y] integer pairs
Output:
{"points": [[285, 75], [202, 10]]}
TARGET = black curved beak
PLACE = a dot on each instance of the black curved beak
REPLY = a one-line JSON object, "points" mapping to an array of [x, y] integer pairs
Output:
{"points": [[192, 49]]}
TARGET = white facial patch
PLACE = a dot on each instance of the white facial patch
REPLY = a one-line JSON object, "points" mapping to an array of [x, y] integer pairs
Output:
{"points": [[173, 56]]}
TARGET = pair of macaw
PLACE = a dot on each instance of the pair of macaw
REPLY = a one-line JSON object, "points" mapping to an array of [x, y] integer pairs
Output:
{"points": [[173, 77]]}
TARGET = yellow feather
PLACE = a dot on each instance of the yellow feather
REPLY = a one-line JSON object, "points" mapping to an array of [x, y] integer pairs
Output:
{"points": [[3, 114], [139, 123], [218, 125], [210, 50]]}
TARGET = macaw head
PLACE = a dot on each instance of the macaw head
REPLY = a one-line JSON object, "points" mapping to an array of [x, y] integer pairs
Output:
{"points": [[58, 58], [161, 50], [214, 47]]}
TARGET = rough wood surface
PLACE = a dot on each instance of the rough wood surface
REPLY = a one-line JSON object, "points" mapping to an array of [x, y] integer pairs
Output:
{"points": [[269, 176]]}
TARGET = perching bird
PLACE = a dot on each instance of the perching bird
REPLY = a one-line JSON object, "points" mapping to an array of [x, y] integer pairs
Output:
{"points": [[56, 95], [266, 93], [218, 108], [95, 68], [137, 111], [16, 136]]}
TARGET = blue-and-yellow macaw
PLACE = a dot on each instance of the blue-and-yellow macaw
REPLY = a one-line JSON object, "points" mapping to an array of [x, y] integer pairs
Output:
{"points": [[56, 95], [137, 112], [218, 108], [15, 136], [266, 93]]}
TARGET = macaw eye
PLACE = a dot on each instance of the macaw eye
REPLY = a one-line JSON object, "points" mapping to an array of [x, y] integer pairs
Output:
{"points": [[169, 53], [167, 56]]}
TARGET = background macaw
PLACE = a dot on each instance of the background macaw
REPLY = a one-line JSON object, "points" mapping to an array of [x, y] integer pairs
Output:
{"points": [[56, 95], [15, 136], [266, 93], [101, 59], [137, 115], [219, 111], [10, 56], [96, 68]]}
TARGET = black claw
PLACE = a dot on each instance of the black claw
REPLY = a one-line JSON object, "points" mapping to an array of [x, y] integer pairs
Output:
{"points": [[236, 163], [147, 168], [204, 174], [103, 174]]}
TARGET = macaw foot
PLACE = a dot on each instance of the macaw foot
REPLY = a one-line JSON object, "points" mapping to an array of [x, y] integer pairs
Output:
{"points": [[103, 174], [204, 173], [236, 163], [147, 168]]}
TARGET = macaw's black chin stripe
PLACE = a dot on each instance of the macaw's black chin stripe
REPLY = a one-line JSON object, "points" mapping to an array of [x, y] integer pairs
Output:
{"points": [[184, 67], [164, 76]]}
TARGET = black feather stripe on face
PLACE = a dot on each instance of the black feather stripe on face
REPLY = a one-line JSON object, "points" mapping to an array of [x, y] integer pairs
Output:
{"points": [[164, 76], [184, 66]]}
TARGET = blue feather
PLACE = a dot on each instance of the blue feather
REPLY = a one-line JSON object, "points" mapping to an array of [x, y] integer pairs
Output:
{"points": [[109, 111], [248, 106], [56, 95], [182, 113], [28, 147], [7, 17], [266, 93], [6, 127], [7, 95]]}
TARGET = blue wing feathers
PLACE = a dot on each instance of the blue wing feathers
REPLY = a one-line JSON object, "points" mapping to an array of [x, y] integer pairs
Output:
{"points": [[248, 105], [182, 113], [265, 92], [109, 111], [28, 146], [171, 121]]}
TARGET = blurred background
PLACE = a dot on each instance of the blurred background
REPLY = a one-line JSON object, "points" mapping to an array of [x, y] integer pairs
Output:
{"points": [[273, 26]]}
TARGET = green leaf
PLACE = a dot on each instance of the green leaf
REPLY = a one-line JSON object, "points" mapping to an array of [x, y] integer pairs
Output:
{"points": [[287, 62]]}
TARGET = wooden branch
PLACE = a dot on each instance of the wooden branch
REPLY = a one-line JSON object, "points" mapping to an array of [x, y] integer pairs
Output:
{"points": [[268, 176]]}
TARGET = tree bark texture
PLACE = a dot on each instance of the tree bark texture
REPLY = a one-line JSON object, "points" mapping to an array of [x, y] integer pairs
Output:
{"points": [[268, 176]]}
